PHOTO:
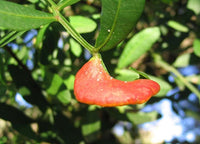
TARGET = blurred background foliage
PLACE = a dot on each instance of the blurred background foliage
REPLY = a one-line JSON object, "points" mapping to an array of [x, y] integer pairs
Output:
{"points": [[38, 67]]}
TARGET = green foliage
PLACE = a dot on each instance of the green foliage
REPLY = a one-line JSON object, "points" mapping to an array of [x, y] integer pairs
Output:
{"points": [[114, 12], [155, 38], [24, 18], [143, 41]]}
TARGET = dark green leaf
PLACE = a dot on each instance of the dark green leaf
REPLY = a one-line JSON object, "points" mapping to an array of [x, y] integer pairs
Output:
{"points": [[2, 70], [117, 20], [17, 17], [49, 44], [22, 79], [138, 45]]}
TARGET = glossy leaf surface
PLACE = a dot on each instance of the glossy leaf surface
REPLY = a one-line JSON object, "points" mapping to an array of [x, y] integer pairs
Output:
{"points": [[117, 20]]}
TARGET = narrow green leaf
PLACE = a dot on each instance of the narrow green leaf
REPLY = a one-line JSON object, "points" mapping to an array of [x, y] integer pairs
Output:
{"points": [[64, 3], [75, 47], [10, 37], [17, 17], [196, 47], [117, 20], [194, 5], [82, 24], [138, 45], [141, 117], [140, 73], [177, 26]]}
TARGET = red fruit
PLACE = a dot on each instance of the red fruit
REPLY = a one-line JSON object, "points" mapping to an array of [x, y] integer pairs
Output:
{"points": [[93, 85]]}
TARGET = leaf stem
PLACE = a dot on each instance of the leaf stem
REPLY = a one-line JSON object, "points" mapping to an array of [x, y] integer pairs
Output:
{"points": [[70, 29], [170, 68]]}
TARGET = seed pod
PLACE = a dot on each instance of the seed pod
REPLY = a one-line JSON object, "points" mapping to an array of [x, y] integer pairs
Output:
{"points": [[94, 85]]}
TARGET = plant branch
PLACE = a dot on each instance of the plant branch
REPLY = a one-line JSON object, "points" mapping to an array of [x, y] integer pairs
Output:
{"points": [[170, 68], [62, 20], [8, 49]]}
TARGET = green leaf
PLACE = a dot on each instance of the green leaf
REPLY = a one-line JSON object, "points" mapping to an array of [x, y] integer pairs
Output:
{"points": [[182, 60], [165, 87], [196, 47], [54, 83], [118, 18], [138, 45], [64, 96], [64, 3], [142, 74], [10, 37], [82, 24], [91, 126], [177, 26], [126, 75], [75, 47], [141, 117], [17, 17], [194, 5], [69, 82]]}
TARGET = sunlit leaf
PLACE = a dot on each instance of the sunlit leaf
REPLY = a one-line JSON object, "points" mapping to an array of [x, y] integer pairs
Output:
{"points": [[194, 5], [196, 47], [138, 45], [18, 17], [117, 20], [75, 47], [69, 82], [177, 26], [82, 24], [64, 96], [182, 60]]}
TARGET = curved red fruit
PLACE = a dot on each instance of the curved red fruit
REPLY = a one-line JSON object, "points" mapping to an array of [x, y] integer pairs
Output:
{"points": [[93, 85]]}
